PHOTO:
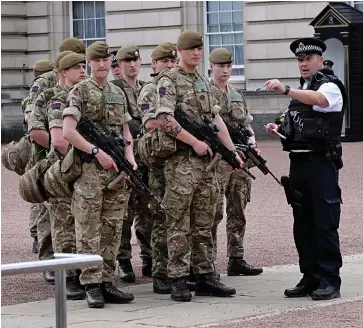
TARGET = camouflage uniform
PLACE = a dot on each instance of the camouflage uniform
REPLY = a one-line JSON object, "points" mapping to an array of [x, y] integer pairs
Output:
{"points": [[191, 191], [61, 218], [138, 211], [97, 209], [146, 104], [38, 121], [236, 186]]}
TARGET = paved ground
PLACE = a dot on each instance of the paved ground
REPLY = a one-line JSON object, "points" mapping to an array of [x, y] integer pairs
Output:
{"points": [[268, 241]]}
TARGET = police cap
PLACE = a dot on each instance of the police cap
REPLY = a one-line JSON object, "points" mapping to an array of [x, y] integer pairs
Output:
{"points": [[307, 46]]}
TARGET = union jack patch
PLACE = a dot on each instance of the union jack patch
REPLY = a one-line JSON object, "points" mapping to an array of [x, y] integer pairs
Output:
{"points": [[162, 91], [56, 105], [35, 89], [145, 106], [39, 103]]}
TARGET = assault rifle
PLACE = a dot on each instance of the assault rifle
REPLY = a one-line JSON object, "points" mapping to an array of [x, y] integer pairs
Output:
{"points": [[206, 132], [113, 145], [240, 138]]}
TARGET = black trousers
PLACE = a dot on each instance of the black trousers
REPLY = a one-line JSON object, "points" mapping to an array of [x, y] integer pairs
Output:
{"points": [[316, 219]]}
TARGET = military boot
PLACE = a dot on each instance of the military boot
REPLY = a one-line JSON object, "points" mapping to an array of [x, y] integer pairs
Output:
{"points": [[147, 267], [74, 290], [94, 296], [180, 291], [35, 247], [162, 285], [126, 272], [208, 285], [49, 277], [113, 295], [238, 266]]}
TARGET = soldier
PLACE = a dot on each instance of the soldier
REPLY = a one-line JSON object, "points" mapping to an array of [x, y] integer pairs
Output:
{"points": [[191, 190], [39, 132], [163, 57], [40, 67], [128, 58], [235, 186], [115, 67], [98, 210], [72, 68], [312, 126]]}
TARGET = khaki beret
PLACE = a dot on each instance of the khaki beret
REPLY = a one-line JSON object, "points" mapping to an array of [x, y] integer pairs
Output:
{"points": [[220, 56], [128, 52], [164, 50], [73, 44], [43, 66], [71, 60], [189, 39], [60, 56], [98, 49]]}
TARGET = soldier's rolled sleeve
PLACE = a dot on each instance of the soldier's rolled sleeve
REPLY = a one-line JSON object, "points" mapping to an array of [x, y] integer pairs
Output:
{"points": [[73, 105], [165, 97], [127, 117]]}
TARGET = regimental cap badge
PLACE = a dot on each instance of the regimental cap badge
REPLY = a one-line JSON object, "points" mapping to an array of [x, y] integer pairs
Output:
{"points": [[173, 52], [108, 51], [136, 53]]}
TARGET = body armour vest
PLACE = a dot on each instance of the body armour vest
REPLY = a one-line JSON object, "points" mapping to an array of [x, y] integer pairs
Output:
{"points": [[307, 129]]}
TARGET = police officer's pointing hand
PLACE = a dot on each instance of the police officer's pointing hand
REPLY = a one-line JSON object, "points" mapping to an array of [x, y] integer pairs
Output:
{"points": [[274, 85]]}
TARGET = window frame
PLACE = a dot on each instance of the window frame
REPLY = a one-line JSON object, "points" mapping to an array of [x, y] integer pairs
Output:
{"points": [[354, 3], [233, 78]]}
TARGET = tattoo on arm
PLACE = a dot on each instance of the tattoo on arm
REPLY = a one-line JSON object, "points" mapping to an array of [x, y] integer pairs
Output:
{"points": [[169, 125]]}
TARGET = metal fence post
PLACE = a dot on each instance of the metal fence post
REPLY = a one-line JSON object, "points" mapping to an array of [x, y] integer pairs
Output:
{"points": [[60, 299]]}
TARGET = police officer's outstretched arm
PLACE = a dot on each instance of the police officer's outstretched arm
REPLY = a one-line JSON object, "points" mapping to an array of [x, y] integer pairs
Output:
{"points": [[166, 104], [71, 117]]}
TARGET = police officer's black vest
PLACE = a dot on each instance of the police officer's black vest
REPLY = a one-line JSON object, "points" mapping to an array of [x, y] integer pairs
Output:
{"points": [[307, 129]]}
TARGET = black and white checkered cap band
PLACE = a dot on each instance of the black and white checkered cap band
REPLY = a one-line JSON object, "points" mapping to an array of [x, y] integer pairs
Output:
{"points": [[307, 48]]}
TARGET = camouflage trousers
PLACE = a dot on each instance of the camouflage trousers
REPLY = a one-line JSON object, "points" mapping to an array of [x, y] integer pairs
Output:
{"points": [[158, 234], [235, 187], [44, 232], [138, 213], [62, 227], [33, 218], [190, 204], [98, 211]]}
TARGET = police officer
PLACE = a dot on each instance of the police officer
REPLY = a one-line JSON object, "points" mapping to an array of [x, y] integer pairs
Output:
{"points": [[312, 127], [328, 67]]}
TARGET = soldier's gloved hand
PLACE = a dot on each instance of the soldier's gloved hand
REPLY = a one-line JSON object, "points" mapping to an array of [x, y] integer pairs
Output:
{"points": [[201, 148], [106, 161]]}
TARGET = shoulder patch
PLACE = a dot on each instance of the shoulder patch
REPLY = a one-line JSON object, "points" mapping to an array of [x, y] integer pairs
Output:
{"points": [[57, 105], [35, 89], [235, 96], [162, 91], [145, 106], [39, 103]]}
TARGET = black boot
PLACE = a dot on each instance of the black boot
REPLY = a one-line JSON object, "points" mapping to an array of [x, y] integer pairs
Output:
{"points": [[74, 290], [238, 266], [162, 286], [126, 272], [147, 267], [113, 295], [180, 291], [94, 296], [35, 247], [325, 293], [49, 277], [208, 285]]}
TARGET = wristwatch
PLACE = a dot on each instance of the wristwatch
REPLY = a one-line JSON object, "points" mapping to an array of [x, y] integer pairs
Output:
{"points": [[287, 90], [95, 151]]}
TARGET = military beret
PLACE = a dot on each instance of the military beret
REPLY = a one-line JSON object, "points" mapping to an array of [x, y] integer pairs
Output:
{"points": [[71, 60], [164, 50], [328, 63], [128, 52], [72, 44], [114, 59], [307, 46], [43, 66], [220, 56], [60, 56], [189, 39], [98, 49]]}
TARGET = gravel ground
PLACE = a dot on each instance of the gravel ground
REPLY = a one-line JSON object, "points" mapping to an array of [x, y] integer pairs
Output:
{"points": [[268, 241]]}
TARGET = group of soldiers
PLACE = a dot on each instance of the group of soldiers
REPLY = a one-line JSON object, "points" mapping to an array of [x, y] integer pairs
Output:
{"points": [[176, 225]]}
